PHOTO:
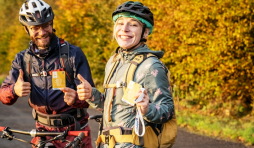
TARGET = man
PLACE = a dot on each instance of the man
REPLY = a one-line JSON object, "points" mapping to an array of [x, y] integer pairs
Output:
{"points": [[31, 73]]}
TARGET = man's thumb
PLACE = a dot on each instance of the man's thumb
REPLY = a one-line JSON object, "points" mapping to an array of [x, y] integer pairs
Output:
{"points": [[81, 79], [21, 74]]}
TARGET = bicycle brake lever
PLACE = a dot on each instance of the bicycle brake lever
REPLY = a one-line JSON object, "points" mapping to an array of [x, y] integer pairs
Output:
{"points": [[77, 140], [7, 134]]}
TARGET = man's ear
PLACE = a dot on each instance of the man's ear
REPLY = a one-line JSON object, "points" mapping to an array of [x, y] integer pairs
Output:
{"points": [[146, 33], [25, 28]]}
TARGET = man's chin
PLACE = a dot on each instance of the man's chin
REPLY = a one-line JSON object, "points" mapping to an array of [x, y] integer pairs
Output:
{"points": [[42, 45]]}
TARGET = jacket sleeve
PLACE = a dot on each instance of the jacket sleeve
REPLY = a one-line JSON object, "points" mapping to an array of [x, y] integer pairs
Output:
{"points": [[81, 66], [8, 95], [161, 106], [97, 99]]}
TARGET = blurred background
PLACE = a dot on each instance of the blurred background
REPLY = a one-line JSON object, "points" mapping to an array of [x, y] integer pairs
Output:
{"points": [[208, 48]]}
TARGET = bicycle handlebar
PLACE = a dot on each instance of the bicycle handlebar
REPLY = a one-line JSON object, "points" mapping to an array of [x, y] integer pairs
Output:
{"points": [[35, 133]]}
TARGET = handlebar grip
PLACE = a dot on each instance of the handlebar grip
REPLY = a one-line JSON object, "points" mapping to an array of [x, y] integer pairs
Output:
{"points": [[76, 133], [2, 128]]}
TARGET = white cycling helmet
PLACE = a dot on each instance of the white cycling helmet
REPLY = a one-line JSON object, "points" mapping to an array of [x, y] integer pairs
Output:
{"points": [[35, 12]]}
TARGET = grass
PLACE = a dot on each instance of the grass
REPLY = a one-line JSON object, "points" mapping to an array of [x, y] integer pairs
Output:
{"points": [[220, 127]]}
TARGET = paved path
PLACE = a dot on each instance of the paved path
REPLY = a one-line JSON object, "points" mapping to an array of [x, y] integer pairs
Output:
{"points": [[18, 116]]}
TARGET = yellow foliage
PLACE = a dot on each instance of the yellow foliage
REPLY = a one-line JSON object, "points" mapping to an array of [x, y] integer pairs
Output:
{"points": [[208, 45]]}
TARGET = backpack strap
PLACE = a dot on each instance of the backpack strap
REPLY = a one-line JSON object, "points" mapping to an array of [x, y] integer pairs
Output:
{"points": [[128, 76], [27, 62], [64, 55], [107, 85], [64, 60], [129, 73], [109, 76]]}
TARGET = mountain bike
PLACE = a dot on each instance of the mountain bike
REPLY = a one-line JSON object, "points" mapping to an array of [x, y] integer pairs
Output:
{"points": [[7, 133]]}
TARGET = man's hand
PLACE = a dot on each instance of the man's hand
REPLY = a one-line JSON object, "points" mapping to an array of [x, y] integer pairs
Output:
{"points": [[84, 89], [144, 104], [21, 87], [69, 95]]}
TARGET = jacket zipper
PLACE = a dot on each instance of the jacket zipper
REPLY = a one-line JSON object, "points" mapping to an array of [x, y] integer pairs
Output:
{"points": [[46, 87]]}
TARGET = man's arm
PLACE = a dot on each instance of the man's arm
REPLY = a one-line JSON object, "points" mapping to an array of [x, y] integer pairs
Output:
{"points": [[8, 95]]}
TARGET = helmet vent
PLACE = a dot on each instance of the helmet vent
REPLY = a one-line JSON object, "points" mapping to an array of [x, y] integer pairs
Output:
{"points": [[49, 11], [41, 3], [34, 5], [46, 14], [24, 18], [32, 19], [146, 11], [37, 13], [21, 9], [28, 13], [127, 5], [26, 6]]}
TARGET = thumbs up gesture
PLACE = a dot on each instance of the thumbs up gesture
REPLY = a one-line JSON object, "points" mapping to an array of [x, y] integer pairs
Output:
{"points": [[21, 87], [84, 89]]}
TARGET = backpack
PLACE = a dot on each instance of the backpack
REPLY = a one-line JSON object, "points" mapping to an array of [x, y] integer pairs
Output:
{"points": [[64, 60], [165, 133]]}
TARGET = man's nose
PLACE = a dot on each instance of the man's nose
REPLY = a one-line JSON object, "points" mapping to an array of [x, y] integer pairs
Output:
{"points": [[41, 31]]}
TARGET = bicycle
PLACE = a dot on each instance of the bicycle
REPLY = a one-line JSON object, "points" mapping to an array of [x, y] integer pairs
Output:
{"points": [[43, 143]]}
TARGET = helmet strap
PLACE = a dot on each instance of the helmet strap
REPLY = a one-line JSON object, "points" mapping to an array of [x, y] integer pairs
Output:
{"points": [[54, 30], [27, 31]]}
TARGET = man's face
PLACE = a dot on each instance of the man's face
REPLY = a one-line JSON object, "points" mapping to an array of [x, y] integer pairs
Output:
{"points": [[41, 35]]}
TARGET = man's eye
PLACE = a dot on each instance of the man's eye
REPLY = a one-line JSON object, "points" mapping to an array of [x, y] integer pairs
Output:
{"points": [[119, 23], [45, 26], [35, 28]]}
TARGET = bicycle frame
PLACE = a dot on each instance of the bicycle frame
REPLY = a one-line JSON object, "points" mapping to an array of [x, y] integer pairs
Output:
{"points": [[7, 133]]}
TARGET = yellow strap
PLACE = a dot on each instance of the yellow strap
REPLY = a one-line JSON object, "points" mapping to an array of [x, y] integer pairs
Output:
{"points": [[113, 139], [109, 85], [129, 73], [128, 76], [106, 85], [112, 68]]}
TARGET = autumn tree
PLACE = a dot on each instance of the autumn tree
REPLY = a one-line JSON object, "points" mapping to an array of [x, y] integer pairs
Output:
{"points": [[209, 50]]}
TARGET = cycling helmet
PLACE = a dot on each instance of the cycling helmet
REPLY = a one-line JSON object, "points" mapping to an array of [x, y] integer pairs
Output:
{"points": [[135, 10], [35, 12]]}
